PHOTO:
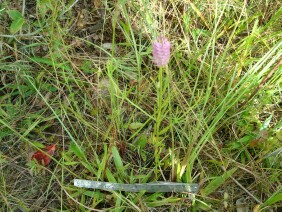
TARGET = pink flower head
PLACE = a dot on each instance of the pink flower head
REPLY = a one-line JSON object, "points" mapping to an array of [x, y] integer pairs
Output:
{"points": [[161, 51]]}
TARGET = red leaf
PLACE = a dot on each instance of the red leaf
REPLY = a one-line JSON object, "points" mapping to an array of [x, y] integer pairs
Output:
{"points": [[42, 158]]}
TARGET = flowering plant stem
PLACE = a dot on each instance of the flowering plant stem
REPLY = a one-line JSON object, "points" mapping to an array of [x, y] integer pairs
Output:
{"points": [[157, 139], [161, 111]]}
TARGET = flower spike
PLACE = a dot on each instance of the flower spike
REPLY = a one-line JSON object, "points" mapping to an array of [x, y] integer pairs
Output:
{"points": [[161, 51]]}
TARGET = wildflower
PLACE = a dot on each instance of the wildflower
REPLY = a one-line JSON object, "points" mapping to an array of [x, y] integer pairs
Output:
{"points": [[161, 51]]}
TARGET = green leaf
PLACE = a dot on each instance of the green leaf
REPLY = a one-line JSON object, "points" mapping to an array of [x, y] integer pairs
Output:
{"points": [[77, 151], [44, 6], [143, 156], [17, 22], [110, 176], [141, 141], [42, 60], [153, 197], [14, 14], [276, 197], [135, 125], [118, 161], [87, 67], [201, 206], [117, 158], [94, 194], [217, 181], [38, 144], [16, 25], [166, 201], [266, 123], [163, 131], [243, 141], [89, 167], [71, 163], [102, 165]]}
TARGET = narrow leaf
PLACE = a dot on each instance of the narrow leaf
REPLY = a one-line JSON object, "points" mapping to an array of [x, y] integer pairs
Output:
{"points": [[110, 176], [217, 181], [135, 125], [38, 144], [141, 141], [18, 21], [14, 14], [16, 25], [276, 197], [118, 161], [77, 151], [117, 158]]}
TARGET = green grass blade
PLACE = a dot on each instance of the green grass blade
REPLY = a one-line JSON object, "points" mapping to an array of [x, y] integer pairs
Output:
{"points": [[217, 181]]}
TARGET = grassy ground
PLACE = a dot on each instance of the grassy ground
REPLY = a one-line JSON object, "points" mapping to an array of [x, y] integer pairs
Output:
{"points": [[79, 74]]}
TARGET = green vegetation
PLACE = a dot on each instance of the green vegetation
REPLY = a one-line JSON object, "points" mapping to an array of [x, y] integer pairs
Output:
{"points": [[79, 74]]}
